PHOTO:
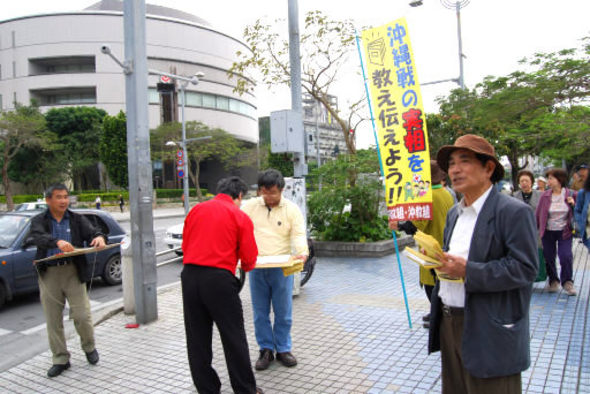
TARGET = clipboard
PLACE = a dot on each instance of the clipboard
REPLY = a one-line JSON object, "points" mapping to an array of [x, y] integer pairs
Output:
{"points": [[76, 252], [276, 261]]}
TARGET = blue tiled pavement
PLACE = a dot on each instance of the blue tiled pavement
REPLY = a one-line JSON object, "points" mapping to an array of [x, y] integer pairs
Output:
{"points": [[350, 335]]}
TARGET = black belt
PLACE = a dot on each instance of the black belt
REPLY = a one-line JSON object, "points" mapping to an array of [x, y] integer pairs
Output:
{"points": [[58, 262], [452, 310]]}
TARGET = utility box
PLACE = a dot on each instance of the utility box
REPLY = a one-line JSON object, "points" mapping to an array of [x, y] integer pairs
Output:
{"points": [[286, 132]]}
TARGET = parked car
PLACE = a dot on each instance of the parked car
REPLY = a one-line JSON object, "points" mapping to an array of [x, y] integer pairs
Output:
{"points": [[30, 206], [17, 272], [173, 237]]}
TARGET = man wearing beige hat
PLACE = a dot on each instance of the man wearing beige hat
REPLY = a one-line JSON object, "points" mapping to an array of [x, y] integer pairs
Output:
{"points": [[481, 324]]}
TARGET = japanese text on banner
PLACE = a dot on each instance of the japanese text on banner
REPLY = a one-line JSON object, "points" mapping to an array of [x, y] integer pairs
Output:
{"points": [[400, 121]]}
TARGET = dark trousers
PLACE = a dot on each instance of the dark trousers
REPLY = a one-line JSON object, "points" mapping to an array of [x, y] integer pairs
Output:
{"points": [[455, 379], [212, 295], [552, 242]]}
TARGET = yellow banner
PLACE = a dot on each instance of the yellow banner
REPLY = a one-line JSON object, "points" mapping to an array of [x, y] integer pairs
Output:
{"points": [[400, 121]]}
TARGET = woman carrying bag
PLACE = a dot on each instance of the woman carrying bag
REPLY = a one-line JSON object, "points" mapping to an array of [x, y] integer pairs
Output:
{"points": [[554, 216]]}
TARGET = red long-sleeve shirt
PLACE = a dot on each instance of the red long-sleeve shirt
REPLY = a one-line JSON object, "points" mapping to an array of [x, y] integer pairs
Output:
{"points": [[217, 233]]}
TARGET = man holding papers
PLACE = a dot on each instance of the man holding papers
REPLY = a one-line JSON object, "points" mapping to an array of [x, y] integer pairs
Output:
{"points": [[279, 229], [56, 231], [481, 325], [442, 201], [216, 234]]}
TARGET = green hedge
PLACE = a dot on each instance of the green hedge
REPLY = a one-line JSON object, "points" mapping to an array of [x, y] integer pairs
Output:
{"points": [[177, 193], [20, 198], [104, 196]]}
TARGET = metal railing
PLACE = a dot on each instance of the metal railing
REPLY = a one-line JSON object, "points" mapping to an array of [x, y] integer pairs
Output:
{"points": [[169, 261]]}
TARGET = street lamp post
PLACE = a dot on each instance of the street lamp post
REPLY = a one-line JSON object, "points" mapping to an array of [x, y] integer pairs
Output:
{"points": [[182, 145], [184, 81], [456, 5]]}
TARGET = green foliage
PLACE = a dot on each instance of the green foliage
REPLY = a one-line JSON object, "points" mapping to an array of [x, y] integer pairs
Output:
{"points": [[539, 112], [177, 193], [282, 162], [222, 146], [20, 198], [78, 130], [113, 148], [347, 208], [20, 129]]}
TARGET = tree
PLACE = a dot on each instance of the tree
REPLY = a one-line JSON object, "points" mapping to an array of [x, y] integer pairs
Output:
{"points": [[537, 112], [325, 47], [222, 146], [345, 211], [113, 148], [23, 127], [78, 130]]}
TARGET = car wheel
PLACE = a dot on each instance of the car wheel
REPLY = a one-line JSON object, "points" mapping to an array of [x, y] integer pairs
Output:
{"points": [[3, 294], [112, 273]]}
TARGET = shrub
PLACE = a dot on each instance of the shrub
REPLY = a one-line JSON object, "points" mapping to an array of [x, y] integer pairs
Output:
{"points": [[348, 206]]}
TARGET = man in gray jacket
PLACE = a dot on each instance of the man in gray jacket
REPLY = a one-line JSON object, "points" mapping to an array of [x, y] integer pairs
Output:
{"points": [[481, 323]]}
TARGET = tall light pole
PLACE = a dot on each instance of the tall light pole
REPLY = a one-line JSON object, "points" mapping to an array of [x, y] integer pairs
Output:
{"points": [[456, 5], [182, 145], [184, 81]]}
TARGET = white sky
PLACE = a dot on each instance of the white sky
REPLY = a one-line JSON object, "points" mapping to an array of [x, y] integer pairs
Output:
{"points": [[496, 34]]}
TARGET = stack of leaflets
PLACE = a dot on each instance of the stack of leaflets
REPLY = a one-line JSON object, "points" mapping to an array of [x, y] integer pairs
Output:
{"points": [[427, 257]]}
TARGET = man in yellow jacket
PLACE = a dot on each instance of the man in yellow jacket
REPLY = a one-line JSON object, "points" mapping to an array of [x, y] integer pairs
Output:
{"points": [[279, 229], [442, 201]]}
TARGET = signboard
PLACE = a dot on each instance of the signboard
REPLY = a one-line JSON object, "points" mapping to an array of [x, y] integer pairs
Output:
{"points": [[400, 121], [165, 79], [179, 154], [180, 173]]}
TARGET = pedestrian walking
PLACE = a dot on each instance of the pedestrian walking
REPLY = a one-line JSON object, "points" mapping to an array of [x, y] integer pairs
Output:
{"points": [[97, 202], [531, 197], [442, 201], [121, 202], [554, 216], [58, 230], [279, 228], [481, 325], [582, 213], [216, 235]]}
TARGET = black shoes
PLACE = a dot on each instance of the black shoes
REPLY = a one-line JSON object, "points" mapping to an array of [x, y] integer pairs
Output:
{"points": [[264, 360], [57, 369], [92, 357], [287, 359]]}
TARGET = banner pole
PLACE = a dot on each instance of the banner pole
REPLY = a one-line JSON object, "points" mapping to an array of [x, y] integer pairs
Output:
{"points": [[399, 264]]}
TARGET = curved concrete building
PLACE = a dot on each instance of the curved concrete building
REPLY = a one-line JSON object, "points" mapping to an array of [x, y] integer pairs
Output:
{"points": [[56, 59]]}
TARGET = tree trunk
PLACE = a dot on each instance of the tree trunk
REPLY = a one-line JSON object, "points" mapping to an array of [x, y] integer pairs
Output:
{"points": [[195, 178], [6, 183]]}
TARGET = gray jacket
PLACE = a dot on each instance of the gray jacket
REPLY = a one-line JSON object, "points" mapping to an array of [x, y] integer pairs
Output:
{"points": [[533, 202], [501, 267]]}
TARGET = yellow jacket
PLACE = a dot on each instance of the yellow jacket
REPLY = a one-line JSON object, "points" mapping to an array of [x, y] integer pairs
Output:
{"points": [[279, 230]]}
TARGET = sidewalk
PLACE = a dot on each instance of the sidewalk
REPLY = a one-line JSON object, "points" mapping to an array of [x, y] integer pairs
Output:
{"points": [[350, 335]]}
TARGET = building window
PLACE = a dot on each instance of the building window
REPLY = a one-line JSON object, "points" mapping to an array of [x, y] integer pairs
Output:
{"points": [[14, 99], [62, 65], [209, 101], [205, 100], [13, 39], [65, 96], [1, 103], [13, 69]]}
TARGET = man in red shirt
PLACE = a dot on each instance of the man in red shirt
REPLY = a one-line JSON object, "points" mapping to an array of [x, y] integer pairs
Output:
{"points": [[216, 234]]}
